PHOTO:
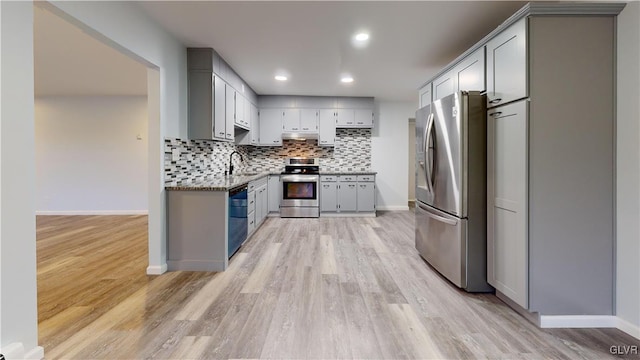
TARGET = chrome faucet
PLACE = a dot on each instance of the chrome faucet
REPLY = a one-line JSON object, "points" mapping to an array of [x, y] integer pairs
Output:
{"points": [[231, 164]]}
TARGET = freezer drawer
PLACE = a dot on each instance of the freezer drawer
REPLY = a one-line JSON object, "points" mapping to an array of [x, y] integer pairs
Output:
{"points": [[441, 241]]}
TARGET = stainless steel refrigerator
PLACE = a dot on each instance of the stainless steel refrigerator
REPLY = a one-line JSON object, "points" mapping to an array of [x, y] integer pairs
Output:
{"points": [[450, 214]]}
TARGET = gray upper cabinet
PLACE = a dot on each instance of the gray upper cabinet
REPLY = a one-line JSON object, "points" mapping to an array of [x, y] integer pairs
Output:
{"points": [[230, 113], [220, 113], [309, 120], [291, 120], [444, 85], [327, 127], [270, 127], [507, 65], [424, 96], [254, 134], [212, 101], [345, 118], [469, 73], [363, 117]]}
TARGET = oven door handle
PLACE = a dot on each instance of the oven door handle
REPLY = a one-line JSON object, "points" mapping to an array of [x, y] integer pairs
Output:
{"points": [[299, 178]]}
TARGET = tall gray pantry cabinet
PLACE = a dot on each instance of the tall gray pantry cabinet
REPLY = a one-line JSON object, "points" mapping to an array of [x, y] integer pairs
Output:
{"points": [[550, 99], [550, 73]]}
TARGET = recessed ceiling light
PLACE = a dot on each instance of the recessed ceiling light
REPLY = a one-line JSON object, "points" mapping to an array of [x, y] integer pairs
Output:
{"points": [[347, 79], [281, 78], [362, 37]]}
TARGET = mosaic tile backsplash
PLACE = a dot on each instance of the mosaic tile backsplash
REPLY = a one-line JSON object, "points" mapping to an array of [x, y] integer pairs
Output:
{"points": [[198, 160]]}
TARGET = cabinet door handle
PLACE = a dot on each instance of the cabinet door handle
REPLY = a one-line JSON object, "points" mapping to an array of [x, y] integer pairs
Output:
{"points": [[221, 133], [495, 101]]}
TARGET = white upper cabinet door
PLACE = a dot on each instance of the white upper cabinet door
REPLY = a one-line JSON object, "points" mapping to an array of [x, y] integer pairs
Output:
{"points": [[424, 96], [219, 109], [291, 120], [247, 113], [327, 127], [271, 127], [230, 102], [507, 65], [309, 120], [254, 135], [363, 118], [444, 85], [239, 109], [345, 118], [470, 72]]}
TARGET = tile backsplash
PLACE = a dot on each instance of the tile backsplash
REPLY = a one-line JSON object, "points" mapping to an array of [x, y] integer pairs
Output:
{"points": [[197, 160]]}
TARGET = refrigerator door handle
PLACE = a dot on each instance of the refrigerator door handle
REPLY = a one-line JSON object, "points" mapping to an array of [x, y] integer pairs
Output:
{"points": [[430, 171], [443, 219]]}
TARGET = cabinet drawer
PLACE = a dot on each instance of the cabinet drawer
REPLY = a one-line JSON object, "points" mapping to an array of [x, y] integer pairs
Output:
{"points": [[251, 201], [346, 178], [366, 178], [251, 223], [328, 178]]}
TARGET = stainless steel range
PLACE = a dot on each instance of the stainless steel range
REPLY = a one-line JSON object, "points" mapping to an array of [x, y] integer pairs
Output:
{"points": [[300, 184]]}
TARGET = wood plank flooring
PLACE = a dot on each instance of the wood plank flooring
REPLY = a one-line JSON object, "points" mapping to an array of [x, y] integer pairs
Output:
{"points": [[324, 288]]}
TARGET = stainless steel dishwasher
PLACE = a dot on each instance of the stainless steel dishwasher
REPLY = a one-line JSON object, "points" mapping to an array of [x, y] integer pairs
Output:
{"points": [[237, 218]]}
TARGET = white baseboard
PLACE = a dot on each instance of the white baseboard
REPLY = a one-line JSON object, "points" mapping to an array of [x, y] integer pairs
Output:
{"points": [[347, 214], [629, 328], [37, 353], [156, 270], [13, 351], [393, 208], [589, 321], [578, 321], [94, 212]]}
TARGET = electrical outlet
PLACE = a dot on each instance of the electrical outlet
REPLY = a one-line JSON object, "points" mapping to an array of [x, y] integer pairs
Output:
{"points": [[175, 155]]}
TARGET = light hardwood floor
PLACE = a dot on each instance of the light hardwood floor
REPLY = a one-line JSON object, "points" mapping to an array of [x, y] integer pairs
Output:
{"points": [[299, 288]]}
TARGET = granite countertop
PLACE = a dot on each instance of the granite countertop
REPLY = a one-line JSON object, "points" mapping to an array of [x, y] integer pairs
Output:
{"points": [[220, 183], [225, 183]]}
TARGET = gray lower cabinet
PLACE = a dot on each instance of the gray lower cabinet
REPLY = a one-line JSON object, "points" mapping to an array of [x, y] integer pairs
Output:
{"points": [[251, 213], [257, 203], [328, 194], [366, 193], [273, 194], [197, 230], [347, 194]]}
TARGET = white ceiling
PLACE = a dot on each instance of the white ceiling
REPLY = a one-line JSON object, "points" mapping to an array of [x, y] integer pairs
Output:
{"points": [[410, 42]]}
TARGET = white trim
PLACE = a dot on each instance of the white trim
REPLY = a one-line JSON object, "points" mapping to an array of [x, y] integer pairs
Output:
{"points": [[629, 328], [577, 321], [13, 351], [393, 208], [157, 270], [347, 214], [36, 353], [94, 212]]}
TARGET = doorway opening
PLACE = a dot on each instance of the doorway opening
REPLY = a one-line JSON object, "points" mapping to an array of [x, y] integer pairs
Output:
{"points": [[92, 139]]}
